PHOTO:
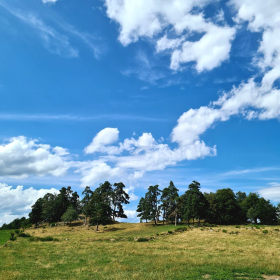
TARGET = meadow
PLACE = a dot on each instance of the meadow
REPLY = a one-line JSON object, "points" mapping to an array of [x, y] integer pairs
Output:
{"points": [[222, 252]]}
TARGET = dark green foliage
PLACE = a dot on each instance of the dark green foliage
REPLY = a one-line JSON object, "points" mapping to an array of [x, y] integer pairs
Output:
{"points": [[181, 229], [13, 237], [43, 239], [16, 224], [85, 201], [265, 231], [23, 234], [70, 215], [119, 197], [152, 202], [100, 205], [142, 209], [224, 230], [170, 231], [36, 214], [169, 206], [195, 203], [142, 239], [17, 231]]}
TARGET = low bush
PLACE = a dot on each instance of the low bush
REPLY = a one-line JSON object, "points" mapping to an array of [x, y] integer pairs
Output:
{"points": [[43, 239], [142, 239], [13, 237], [237, 226], [22, 234], [180, 229], [224, 230], [277, 229], [17, 231], [265, 231], [170, 231]]}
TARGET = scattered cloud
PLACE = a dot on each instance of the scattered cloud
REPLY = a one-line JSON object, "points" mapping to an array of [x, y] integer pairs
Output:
{"points": [[49, 1], [78, 118], [17, 202], [54, 41], [133, 157], [21, 158], [272, 193], [150, 19]]}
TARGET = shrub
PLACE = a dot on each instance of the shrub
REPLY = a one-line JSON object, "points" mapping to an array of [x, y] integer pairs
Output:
{"points": [[17, 231], [224, 230], [277, 229], [237, 226], [22, 234], [142, 239], [265, 231], [170, 232], [157, 234], [201, 229], [257, 227], [43, 239], [13, 237], [180, 229], [53, 224]]}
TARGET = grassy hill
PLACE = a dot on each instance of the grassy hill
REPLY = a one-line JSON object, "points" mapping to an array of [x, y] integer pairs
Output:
{"points": [[4, 236], [223, 252]]}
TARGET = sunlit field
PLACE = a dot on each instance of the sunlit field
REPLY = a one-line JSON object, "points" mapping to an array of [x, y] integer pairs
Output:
{"points": [[223, 252]]}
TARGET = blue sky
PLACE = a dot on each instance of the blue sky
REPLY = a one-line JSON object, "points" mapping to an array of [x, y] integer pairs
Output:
{"points": [[140, 91]]}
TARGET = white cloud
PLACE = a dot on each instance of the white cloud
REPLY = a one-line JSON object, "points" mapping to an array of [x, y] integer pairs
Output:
{"points": [[101, 141], [144, 18], [17, 202], [20, 157], [49, 1], [130, 159], [272, 193]]}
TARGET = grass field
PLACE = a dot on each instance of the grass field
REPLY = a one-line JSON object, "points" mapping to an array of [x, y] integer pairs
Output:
{"points": [[112, 253], [4, 236]]}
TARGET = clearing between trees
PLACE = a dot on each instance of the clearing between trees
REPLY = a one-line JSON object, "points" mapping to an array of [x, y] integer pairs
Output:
{"points": [[143, 251]]}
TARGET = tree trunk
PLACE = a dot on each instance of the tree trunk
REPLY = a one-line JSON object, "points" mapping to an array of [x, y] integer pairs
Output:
{"points": [[146, 221], [97, 227], [175, 219], [198, 222], [114, 213]]}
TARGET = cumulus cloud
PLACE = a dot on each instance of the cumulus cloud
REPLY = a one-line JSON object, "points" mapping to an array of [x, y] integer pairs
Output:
{"points": [[144, 18], [20, 157], [133, 157], [17, 202], [101, 141]]}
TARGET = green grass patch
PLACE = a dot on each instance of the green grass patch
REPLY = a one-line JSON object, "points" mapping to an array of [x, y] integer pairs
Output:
{"points": [[4, 236]]}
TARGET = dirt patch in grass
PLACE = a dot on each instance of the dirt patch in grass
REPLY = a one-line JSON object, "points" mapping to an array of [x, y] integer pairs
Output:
{"points": [[271, 277]]}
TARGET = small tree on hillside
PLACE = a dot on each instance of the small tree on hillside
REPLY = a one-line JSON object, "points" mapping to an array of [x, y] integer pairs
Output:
{"points": [[85, 202], [36, 213], [119, 197], [152, 200], [70, 215], [142, 209], [169, 199]]}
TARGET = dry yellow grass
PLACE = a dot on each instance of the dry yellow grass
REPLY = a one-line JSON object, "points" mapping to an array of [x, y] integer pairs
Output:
{"points": [[81, 253]]}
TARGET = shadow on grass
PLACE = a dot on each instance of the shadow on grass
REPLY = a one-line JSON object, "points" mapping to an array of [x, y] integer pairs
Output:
{"points": [[113, 229]]}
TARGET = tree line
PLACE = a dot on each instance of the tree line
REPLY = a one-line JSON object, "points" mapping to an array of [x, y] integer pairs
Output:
{"points": [[102, 206], [105, 204], [222, 207]]}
